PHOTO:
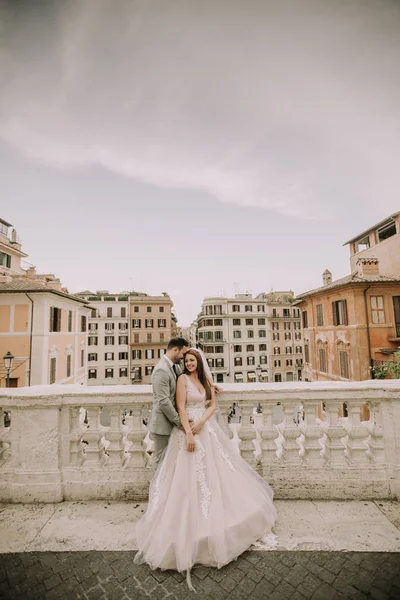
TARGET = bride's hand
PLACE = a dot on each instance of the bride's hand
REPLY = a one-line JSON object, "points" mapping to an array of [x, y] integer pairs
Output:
{"points": [[196, 427], [190, 443]]}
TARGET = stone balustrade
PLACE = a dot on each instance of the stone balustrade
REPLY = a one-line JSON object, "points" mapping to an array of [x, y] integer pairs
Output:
{"points": [[81, 443]]}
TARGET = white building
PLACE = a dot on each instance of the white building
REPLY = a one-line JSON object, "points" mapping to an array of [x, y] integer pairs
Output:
{"points": [[108, 338]]}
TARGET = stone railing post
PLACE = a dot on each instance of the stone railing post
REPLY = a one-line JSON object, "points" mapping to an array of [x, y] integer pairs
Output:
{"points": [[136, 437], [247, 433], [114, 436], [268, 435], [94, 450], [312, 433]]}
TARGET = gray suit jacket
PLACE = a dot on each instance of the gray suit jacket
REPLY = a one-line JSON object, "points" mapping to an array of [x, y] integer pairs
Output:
{"points": [[164, 414]]}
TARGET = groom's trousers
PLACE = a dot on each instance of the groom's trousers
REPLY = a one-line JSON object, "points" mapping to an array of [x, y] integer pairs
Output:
{"points": [[160, 443]]}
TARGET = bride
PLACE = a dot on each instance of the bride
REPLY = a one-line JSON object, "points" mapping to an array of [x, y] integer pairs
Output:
{"points": [[206, 504]]}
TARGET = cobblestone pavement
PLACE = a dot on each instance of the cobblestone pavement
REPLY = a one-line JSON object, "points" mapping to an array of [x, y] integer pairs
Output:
{"points": [[264, 575]]}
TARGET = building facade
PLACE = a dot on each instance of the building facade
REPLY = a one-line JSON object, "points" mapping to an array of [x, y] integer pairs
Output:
{"points": [[354, 322], [108, 338], [41, 324]]}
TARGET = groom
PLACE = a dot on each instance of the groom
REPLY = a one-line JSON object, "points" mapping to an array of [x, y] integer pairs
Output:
{"points": [[164, 414]]}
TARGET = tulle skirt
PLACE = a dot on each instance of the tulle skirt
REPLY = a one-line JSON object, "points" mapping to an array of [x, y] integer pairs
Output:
{"points": [[205, 507]]}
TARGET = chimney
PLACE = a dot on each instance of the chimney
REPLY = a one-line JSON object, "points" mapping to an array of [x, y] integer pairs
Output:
{"points": [[327, 277], [54, 285], [31, 272], [367, 267]]}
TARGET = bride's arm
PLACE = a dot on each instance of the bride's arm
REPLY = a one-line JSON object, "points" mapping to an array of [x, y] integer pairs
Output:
{"points": [[207, 414], [181, 406]]}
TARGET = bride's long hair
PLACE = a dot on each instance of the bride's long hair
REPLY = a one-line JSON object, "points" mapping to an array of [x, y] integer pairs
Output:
{"points": [[200, 372]]}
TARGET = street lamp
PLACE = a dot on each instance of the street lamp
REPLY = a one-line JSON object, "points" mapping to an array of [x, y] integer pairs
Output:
{"points": [[258, 371], [8, 359]]}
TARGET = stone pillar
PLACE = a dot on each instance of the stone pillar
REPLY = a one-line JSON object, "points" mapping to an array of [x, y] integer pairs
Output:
{"points": [[247, 434]]}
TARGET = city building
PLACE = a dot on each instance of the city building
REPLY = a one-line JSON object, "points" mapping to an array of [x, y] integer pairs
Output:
{"points": [[108, 338], [285, 344], [42, 326], [354, 322], [152, 324], [189, 334]]}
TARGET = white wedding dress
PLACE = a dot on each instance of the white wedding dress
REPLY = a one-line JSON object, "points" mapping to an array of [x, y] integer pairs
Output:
{"points": [[205, 507]]}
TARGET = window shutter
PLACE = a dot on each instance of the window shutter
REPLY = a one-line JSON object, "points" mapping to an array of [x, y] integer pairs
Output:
{"points": [[334, 313], [51, 326], [345, 312]]}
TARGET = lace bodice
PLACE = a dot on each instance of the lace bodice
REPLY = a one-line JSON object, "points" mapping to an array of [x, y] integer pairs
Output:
{"points": [[195, 400]]}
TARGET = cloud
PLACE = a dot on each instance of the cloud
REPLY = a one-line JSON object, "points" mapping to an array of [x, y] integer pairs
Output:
{"points": [[291, 106]]}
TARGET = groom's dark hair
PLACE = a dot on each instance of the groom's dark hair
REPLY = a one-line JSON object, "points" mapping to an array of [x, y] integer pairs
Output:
{"points": [[177, 342]]}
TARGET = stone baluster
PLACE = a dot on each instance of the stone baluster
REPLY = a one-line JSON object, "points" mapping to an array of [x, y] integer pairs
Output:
{"points": [[114, 436], [247, 433], [77, 455], [224, 411], [356, 449], [268, 436], [136, 436], [290, 432], [5, 438], [312, 434], [92, 435], [335, 432], [375, 450]]}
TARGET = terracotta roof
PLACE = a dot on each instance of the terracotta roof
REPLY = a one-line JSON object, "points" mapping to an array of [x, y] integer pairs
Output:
{"points": [[364, 233], [22, 284], [354, 278]]}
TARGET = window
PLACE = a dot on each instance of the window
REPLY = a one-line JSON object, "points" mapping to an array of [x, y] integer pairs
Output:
{"points": [[286, 325], [136, 338], [149, 338], [250, 348], [109, 326], [53, 369], [288, 335], [297, 335], [277, 350], [149, 354], [296, 325], [135, 309], [219, 362], [238, 377], [109, 373], [149, 323], [339, 310], [161, 337], [236, 322], [237, 335], [68, 365], [299, 350], [93, 313], [55, 319], [148, 309], [123, 326], [238, 361], [161, 352], [210, 362], [82, 358], [262, 333], [136, 354], [70, 320], [322, 360], [92, 373], [286, 312], [237, 348], [275, 313], [148, 370], [299, 362], [248, 308], [136, 323], [235, 307], [250, 333], [92, 340], [296, 312], [218, 322], [320, 315], [123, 356], [161, 309], [277, 363], [289, 362], [249, 321], [162, 323], [83, 323], [109, 356], [305, 319], [288, 349], [251, 360], [344, 365], [93, 326], [275, 337], [275, 326], [92, 356], [260, 308], [109, 311], [218, 336], [387, 231], [278, 377], [109, 340], [261, 321], [123, 312], [219, 349], [306, 353], [262, 347], [263, 359], [377, 309], [218, 309], [123, 371], [5, 260], [220, 378]]}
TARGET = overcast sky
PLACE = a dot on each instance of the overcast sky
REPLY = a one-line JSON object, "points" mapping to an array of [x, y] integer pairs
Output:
{"points": [[197, 147]]}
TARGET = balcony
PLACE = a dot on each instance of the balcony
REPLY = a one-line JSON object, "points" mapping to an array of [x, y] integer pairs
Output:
{"points": [[50, 454]]}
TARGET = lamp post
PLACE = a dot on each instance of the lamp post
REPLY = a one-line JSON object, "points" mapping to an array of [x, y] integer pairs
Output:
{"points": [[8, 359], [258, 371]]}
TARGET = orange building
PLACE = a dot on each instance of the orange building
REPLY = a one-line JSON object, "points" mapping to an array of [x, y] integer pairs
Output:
{"points": [[352, 322]]}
